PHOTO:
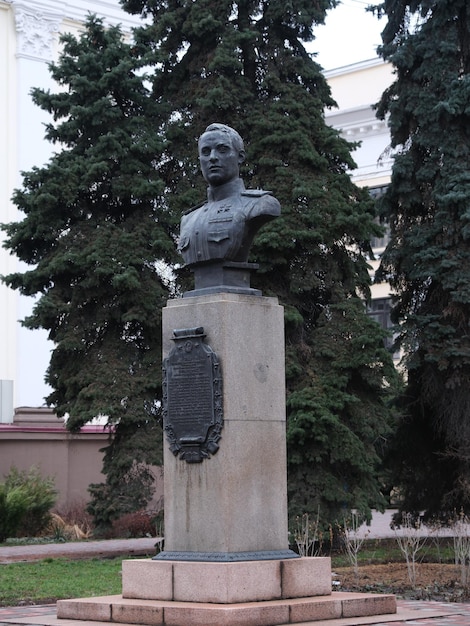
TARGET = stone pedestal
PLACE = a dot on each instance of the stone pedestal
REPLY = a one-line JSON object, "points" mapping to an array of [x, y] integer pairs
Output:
{"points": [[236, 501]]}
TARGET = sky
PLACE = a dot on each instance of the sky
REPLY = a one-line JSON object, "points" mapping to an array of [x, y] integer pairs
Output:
{"points": [[350, 35]]}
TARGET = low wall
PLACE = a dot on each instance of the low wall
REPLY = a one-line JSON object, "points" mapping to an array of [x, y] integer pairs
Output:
{"points": [[37, 437]]}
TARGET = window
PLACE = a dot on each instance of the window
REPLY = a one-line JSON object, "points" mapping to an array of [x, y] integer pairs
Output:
{"points": [[379, 242], [379, 310]]}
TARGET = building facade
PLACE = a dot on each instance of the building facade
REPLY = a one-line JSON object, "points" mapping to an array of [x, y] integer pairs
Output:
{"points": [[356, 89]]}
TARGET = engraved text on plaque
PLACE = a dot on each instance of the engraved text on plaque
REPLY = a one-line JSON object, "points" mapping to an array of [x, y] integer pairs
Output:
{"points": [[192, 397]]}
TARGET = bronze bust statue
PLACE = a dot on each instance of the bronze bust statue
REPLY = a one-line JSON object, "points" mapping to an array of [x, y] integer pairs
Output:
{"points": [[215, 237]]}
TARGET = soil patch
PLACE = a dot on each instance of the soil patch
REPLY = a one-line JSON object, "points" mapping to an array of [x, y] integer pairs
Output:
{"points": [[434, 581]]}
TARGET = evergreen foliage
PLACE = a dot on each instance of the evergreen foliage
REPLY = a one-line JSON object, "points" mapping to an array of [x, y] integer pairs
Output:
{"points": [[93, 231], [107, 207], [130, 481], [428, 259], [244, 64]]}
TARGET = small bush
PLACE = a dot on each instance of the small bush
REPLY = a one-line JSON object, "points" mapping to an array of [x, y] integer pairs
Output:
{"points": [[353, 538], [13, 506], [410, 542], [138, 524], [26, 503], [307, 535], [126, 491]]}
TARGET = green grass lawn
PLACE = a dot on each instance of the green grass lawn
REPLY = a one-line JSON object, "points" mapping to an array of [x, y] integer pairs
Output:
{"points": [[51, 579]]}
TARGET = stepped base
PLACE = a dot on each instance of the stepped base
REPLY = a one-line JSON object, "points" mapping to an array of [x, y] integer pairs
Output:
{"points": [[268, 613], [250, 593]]}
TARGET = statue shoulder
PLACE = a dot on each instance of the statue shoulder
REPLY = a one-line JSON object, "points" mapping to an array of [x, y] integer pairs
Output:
{"points": [[262, 202], [256, 193], [194, 208]]}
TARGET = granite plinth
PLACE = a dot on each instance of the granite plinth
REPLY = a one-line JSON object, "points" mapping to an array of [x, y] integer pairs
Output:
{"points": [[117, 609], [226, 583]]}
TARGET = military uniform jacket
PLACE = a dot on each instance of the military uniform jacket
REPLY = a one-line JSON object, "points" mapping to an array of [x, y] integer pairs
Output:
{"points": [[224, 229]]}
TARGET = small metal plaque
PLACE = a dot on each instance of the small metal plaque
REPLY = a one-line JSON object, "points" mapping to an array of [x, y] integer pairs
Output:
{"points": [[192, 397]]}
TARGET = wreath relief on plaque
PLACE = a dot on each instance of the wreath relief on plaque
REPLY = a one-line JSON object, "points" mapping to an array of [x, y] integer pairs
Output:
{"points": [[192, 397]]}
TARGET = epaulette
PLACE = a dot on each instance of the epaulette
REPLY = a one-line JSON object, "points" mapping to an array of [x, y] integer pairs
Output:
{"points": [[255, 193], [198, 206]]}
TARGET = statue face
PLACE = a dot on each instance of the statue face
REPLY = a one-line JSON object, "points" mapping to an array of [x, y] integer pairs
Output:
{"points": [[220, 161]]}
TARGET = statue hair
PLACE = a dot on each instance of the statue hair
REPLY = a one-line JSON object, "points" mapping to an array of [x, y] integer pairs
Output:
{"points": [[235, 138]]}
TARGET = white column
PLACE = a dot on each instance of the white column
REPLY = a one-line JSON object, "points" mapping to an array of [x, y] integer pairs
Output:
{"points": [[8, 298], [36, 43]]}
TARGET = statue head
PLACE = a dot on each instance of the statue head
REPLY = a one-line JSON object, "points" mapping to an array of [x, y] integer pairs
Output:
{"points": [[221, 152]]}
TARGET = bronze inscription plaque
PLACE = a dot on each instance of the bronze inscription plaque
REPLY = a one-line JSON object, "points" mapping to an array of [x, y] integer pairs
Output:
{"points": [[192, 397]]}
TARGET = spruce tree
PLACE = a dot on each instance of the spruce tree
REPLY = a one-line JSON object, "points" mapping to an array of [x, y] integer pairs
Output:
{"points": [[93, 231], [428, 259], [244, 64]]}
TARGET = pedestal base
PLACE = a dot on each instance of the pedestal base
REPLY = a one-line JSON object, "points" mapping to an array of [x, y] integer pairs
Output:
{"points": [[251, 593], [226, 583], [268, 613]]}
